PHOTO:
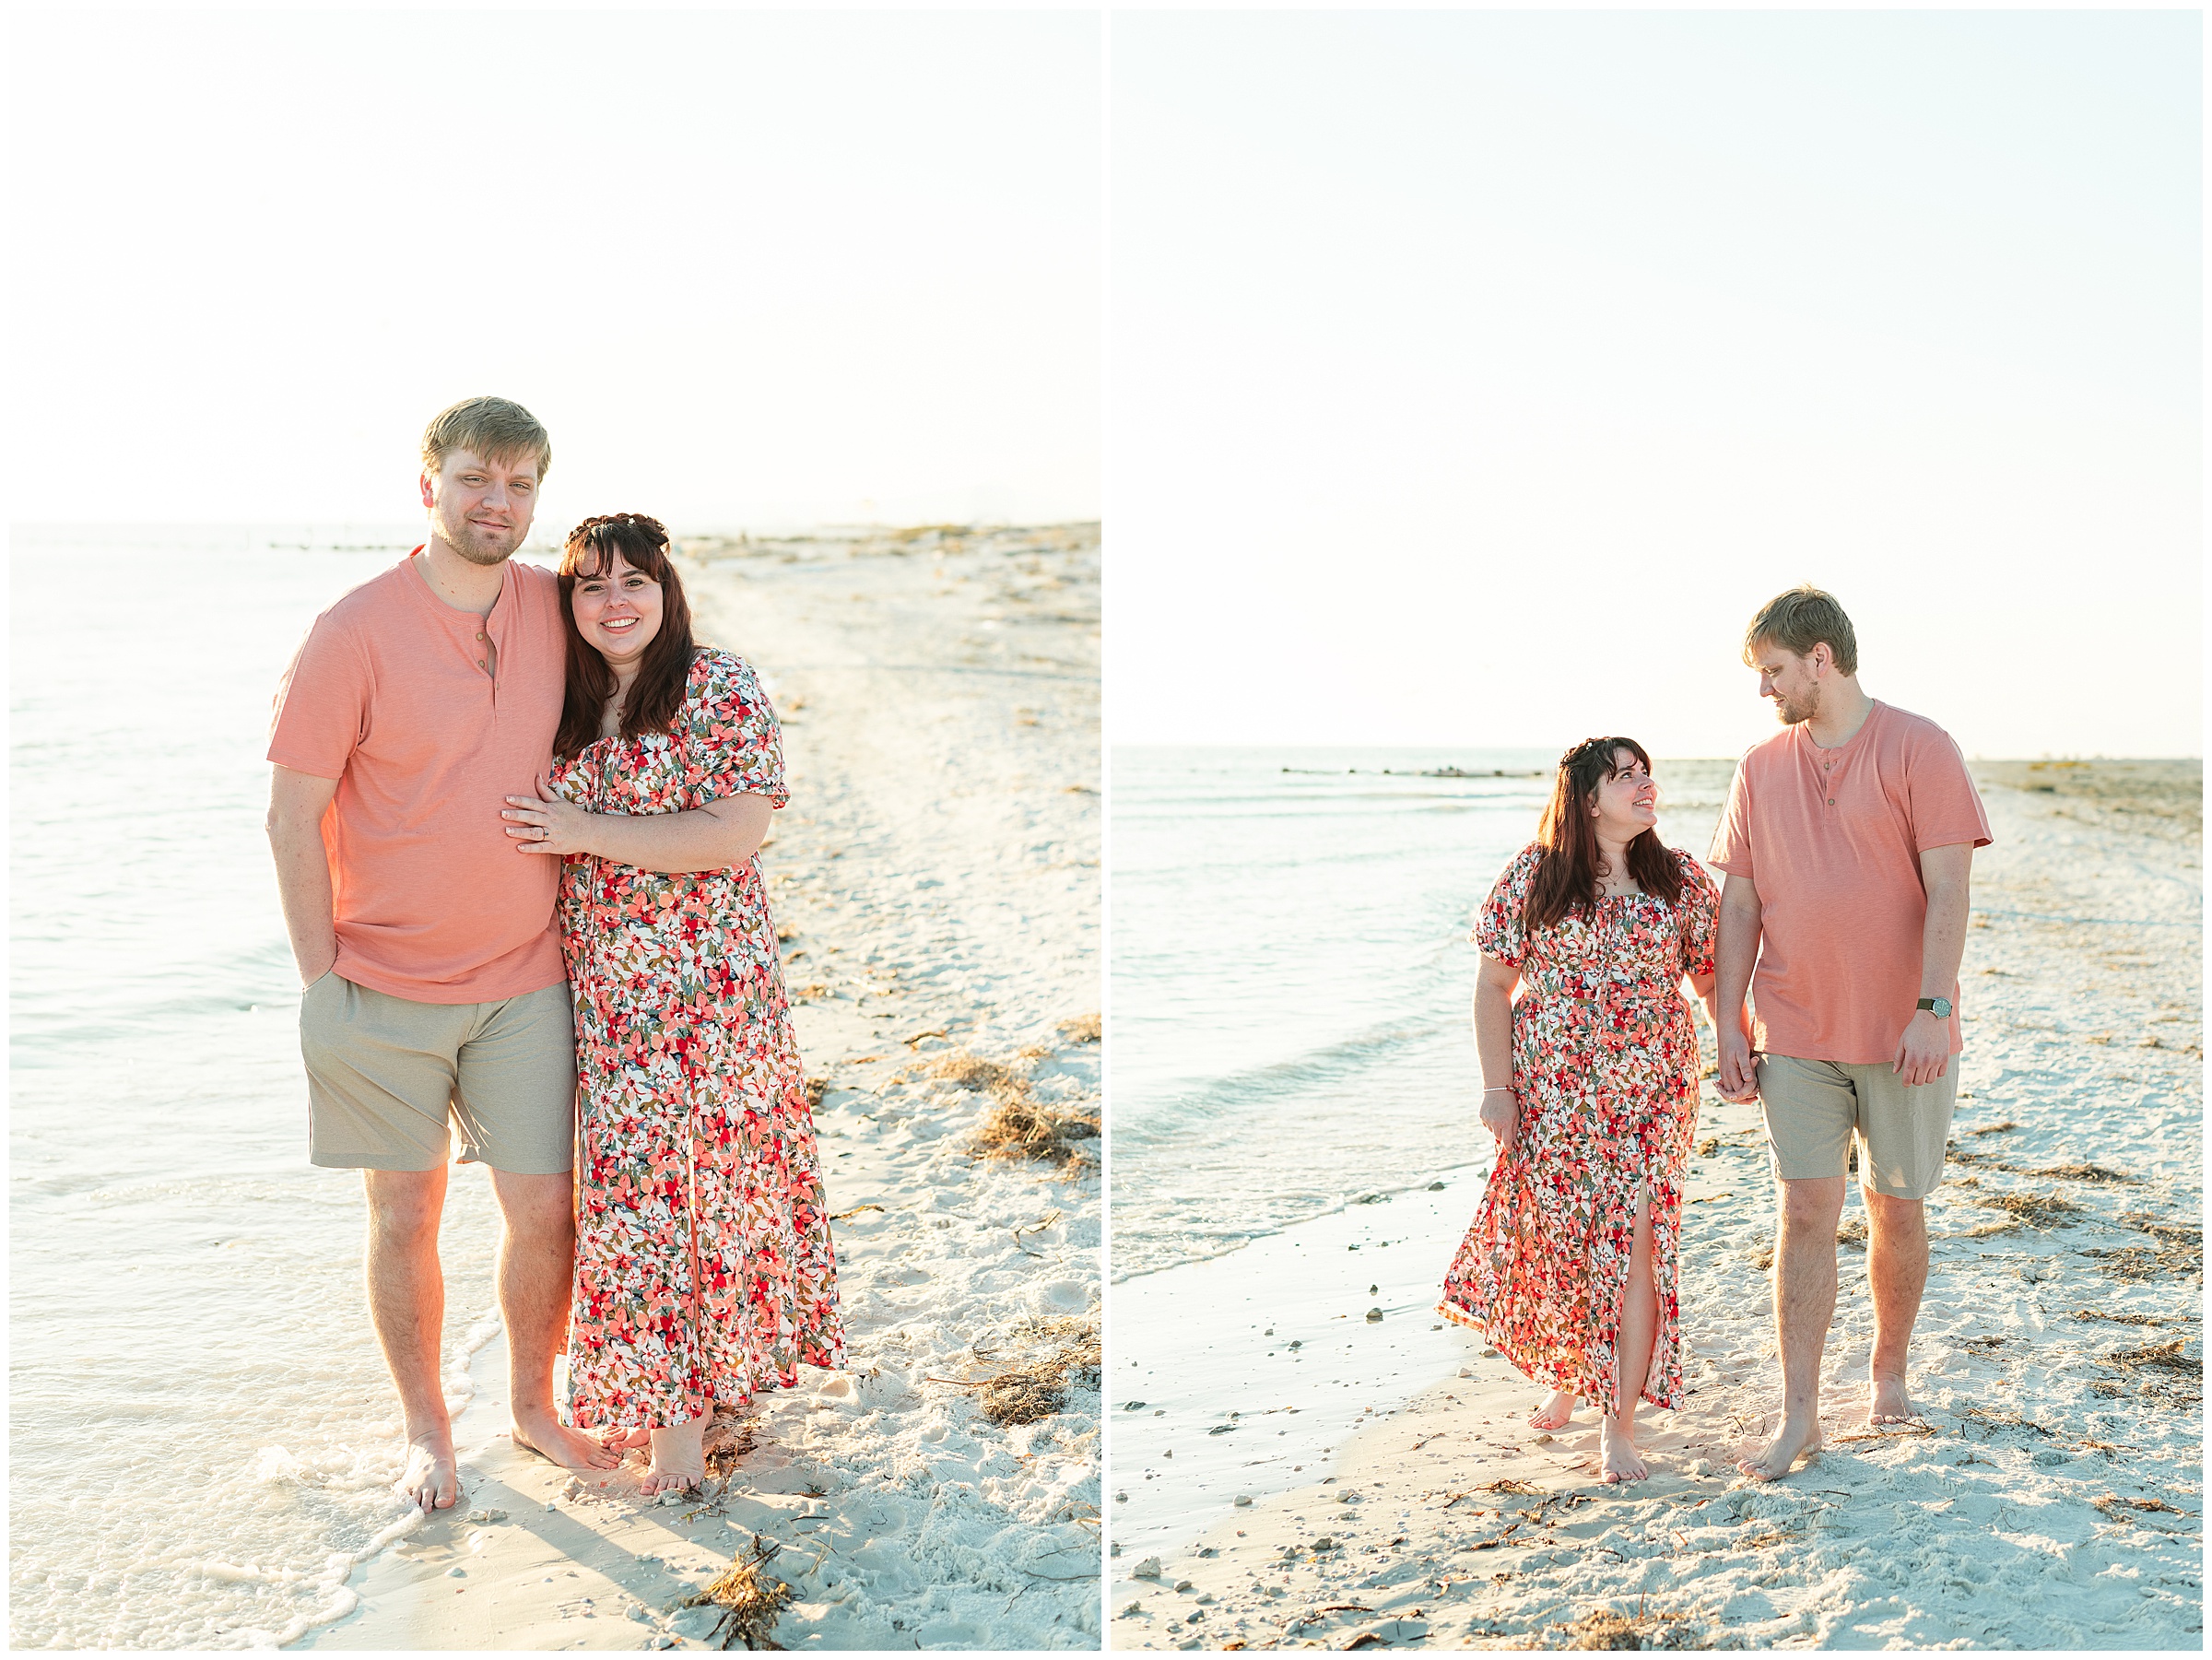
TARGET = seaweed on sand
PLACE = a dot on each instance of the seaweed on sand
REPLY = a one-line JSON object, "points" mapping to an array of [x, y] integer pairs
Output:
{"points": [[1611, 1629], [2089, 1172], [2035, 1210], [2179, 1250], [750, 1601], [1035, 1389], [1082, 1029], [2118, 1319], [2161, 1372], [727, 1440], [1019, 1125]]}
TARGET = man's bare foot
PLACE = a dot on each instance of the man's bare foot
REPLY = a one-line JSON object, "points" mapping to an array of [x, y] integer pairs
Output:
{"points": [[1886, 1403], [1774, 1461], [1555, 1413], [1617, 1456], [432, 1478], [679, 1459], [542, 1432]]}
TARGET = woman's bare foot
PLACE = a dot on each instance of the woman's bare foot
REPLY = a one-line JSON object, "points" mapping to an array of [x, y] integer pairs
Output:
{"points": [[1886, 1403], [542, 1432], [679, 1460], [431, 1478], [1618, 1455], [1774, 1460], [626, 1439], [1555, 1413]]}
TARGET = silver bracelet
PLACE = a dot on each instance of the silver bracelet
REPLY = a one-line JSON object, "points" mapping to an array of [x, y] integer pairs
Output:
{"points": [[1498, 1089]]}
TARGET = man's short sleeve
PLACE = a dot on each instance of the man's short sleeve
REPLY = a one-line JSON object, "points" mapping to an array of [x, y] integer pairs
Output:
{"points": [[321, 707], [1732, 836], [1945, 806]]}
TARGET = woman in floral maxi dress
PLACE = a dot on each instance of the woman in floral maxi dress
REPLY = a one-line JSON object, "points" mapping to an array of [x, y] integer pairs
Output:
{"points": [[1591, 1089], [703, 1264]]}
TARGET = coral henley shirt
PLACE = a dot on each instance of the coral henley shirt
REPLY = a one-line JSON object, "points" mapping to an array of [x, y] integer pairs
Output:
{"points": [[393, 695], [1832, 839]]}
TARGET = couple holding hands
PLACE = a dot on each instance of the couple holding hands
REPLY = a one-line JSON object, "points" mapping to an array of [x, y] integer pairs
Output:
{"points": [[515, 814], [1845, 849]]}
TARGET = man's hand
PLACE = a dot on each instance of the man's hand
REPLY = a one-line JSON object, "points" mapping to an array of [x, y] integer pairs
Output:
{"points": [[1738, 1077], [1924, 1050], [1501, 1114]]}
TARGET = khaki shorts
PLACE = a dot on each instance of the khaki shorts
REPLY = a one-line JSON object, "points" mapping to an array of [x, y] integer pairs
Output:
{"points": [[384, 1073], [1812, 1107]]}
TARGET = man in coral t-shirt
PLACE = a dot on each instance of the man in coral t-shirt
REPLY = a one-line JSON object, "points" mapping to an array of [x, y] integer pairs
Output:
{"points": [[436, 1006], [1846, 846]]}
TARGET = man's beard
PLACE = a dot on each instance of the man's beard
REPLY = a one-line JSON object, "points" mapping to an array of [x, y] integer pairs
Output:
{"points": [[1793, 712], [477, 545]]}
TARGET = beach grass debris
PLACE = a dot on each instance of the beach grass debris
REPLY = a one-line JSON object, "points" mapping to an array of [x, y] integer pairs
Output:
{"points": [[1032, 1390], [1019, 1124], [1993, 1129], [2113, 1501], [816, 1088], [2118, 1319], [2159, 1357], [1710, 1145], [1852, 1232], [1904, 1431], [1083, 1029], [1992, 1419], [1613, 1629], [751, 1602], [2031, 1210], [728, 1439], [2089, 1172]]}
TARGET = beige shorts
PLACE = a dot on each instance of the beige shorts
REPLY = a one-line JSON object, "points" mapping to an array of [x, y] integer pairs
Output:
{"points": [[1812, 1108], [385, 1073]]}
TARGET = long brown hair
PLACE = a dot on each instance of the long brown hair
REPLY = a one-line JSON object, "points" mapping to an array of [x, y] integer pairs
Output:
{"points": [[658, 691], [1567, 879]]}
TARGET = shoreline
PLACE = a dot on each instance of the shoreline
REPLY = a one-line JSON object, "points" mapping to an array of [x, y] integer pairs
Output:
{"points": [[2065, 1435], [962, 929]]}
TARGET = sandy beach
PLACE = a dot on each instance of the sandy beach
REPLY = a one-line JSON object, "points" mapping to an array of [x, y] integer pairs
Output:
{"points": [[2054, 1500], [936, 883]]}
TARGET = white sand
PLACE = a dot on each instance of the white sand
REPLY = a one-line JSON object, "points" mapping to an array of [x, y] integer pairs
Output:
{"points": [[2017, 1525], [937, 872]]}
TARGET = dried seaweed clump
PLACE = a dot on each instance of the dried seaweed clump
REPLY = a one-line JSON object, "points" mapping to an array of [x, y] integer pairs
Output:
{"points": [[1083, 1029], [2036, 1209], [1609, 1628], [1036, 1389], [1019, 1125], [751, 1601], [727, 1438]]}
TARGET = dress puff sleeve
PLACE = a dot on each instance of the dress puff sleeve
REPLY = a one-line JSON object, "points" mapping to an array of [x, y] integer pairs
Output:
{"points": [[731, 743], [1497, 926], [1699, 915]]}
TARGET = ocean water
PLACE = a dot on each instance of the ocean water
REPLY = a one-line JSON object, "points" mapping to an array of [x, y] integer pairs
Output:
{"points": [[1291, 980], [201, 1430]]}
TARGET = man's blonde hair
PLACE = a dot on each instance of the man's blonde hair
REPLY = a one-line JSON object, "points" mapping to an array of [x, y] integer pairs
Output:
{"points": [[1799, 620], [491, 428]]}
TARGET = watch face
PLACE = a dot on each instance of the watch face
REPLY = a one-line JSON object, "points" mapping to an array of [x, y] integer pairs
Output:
{"points": [[1940, 1007]]}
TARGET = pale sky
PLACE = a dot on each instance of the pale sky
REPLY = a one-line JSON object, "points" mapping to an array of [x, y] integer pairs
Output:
{"points": [[750, 269], [1475, 377]]}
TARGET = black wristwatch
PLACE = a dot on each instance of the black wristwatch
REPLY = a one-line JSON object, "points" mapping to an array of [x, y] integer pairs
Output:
{"points": [[1938, 1007]]}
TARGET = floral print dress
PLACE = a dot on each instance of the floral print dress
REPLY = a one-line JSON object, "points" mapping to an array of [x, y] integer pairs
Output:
{"points": [[1606, 1074], [703, 1264]]}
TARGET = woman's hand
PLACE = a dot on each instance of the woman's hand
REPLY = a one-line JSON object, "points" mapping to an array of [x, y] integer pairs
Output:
{"points": [[1501, 1114], [546, 824]]}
